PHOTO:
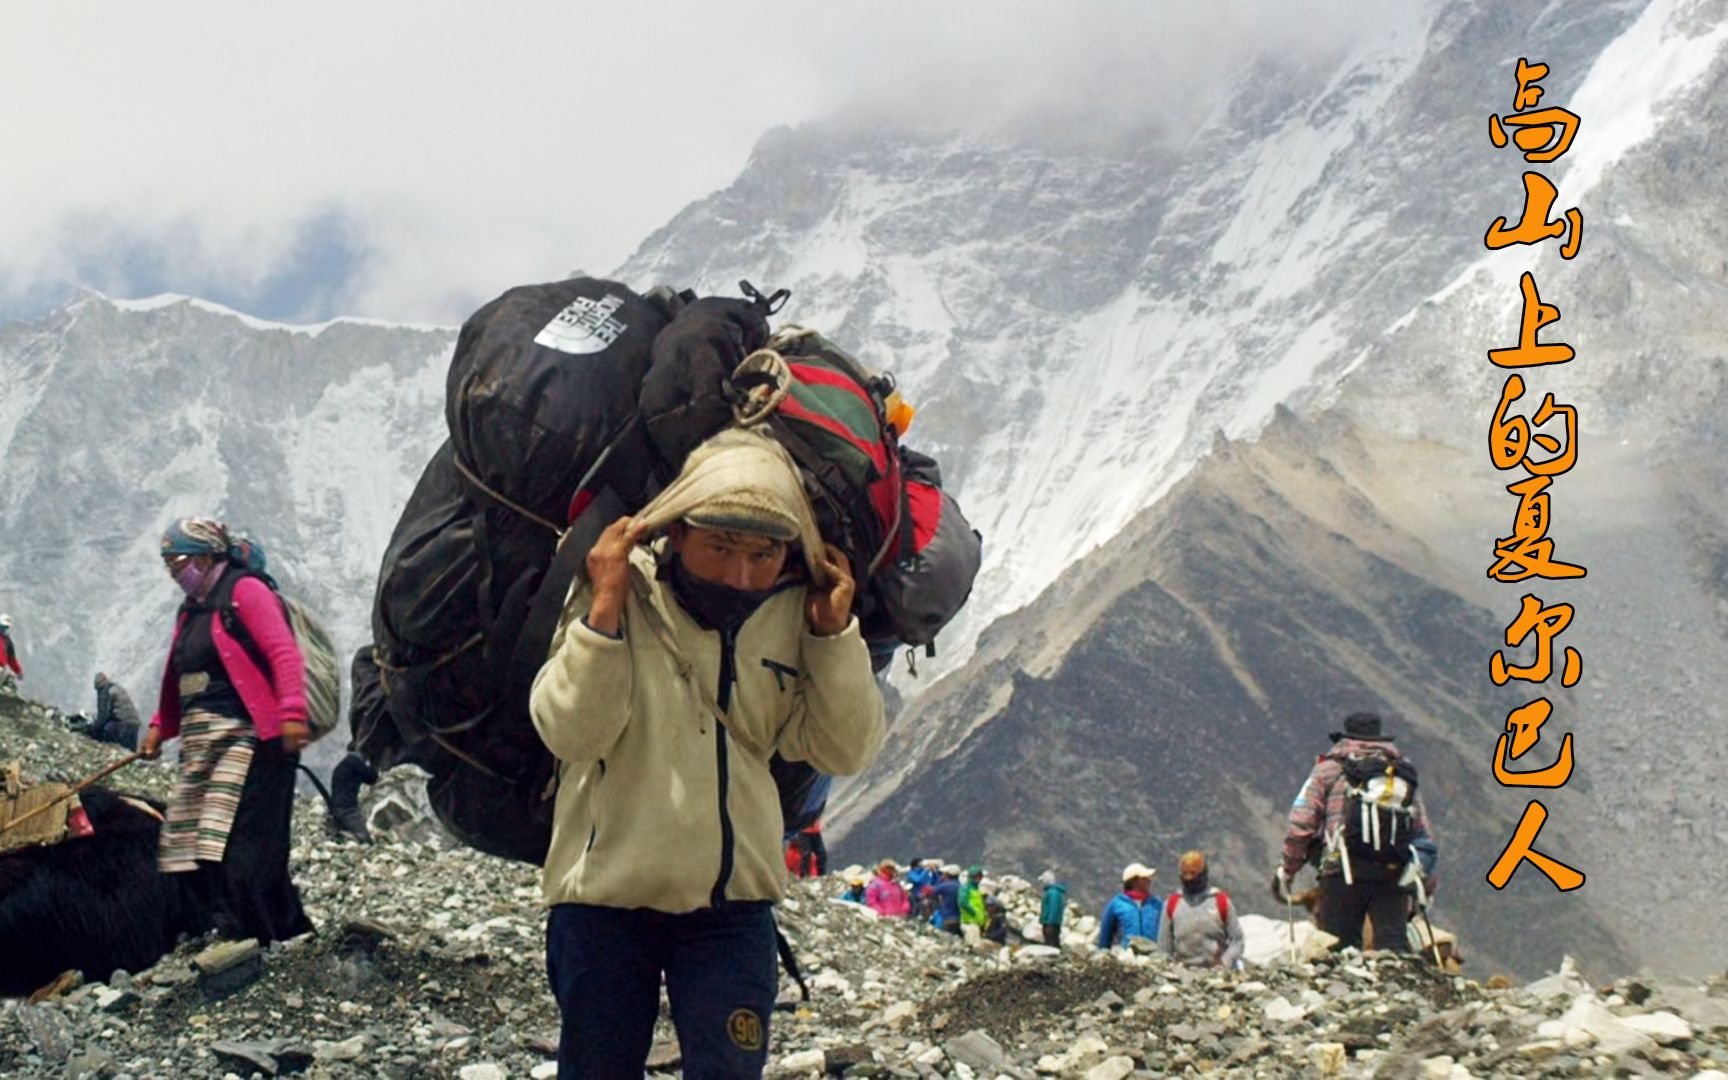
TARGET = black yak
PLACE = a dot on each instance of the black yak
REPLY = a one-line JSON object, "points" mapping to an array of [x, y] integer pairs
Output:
{"points": [[94, 904]]}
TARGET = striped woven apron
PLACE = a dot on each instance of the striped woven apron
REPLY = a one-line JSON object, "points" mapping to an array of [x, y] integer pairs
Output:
{"points": [[215, 755]]}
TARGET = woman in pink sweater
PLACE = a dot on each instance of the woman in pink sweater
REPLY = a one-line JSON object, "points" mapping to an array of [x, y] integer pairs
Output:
{"points": [[233, 693], [885, 896]]}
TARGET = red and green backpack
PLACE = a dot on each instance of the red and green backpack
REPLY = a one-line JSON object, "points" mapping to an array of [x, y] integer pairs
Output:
{"points": [[881, 502]]}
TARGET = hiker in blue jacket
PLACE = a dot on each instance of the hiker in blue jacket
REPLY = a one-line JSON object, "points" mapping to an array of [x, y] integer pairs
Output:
{"points": [[921, 874], [1133, 912], [947, 894], [921, 883]]}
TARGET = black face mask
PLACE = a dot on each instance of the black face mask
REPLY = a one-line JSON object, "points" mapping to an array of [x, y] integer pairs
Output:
{"points": [[714, 607], [1196, 886]]}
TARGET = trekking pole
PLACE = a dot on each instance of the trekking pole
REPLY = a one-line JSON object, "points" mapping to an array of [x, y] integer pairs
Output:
{"points": [[80, 786], [1422, 910], [1290, 920], [1433, 942]]}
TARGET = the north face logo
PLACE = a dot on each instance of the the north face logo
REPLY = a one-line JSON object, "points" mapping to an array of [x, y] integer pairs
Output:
{"points": [[586, 326]]}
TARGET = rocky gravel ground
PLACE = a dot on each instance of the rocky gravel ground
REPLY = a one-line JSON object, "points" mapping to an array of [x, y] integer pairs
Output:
{"points": [[428, 962]]}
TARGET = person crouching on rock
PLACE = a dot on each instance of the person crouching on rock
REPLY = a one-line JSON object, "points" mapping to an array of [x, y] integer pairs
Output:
{"points": [[116, 717], [663, 700], [233, 692]]}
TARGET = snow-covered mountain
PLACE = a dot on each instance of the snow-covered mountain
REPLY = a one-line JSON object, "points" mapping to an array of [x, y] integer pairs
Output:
{"points": [[117, 416], [1077, 324]]}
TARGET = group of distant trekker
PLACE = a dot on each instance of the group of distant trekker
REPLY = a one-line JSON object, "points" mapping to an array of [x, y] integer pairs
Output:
{"points": [[1356, 819], [1195, 925], [938, 893]]}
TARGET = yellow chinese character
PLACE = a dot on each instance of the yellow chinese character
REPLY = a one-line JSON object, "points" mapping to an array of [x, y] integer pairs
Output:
{"points": [[1519, 850], [1525, 724], [1535, 226], [1533, 317]]}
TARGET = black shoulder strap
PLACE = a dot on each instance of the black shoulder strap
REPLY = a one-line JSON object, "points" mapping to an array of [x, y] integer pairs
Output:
{"points": [[529, 654], [789, 961], [221, 603]]}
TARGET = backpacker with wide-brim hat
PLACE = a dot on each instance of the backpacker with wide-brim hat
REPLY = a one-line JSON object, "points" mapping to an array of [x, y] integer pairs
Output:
{"points": [[1379, 802], [1363, 727]]}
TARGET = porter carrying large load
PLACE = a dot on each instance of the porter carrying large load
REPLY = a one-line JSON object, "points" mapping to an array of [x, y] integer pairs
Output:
{"points": [[570, 404]]}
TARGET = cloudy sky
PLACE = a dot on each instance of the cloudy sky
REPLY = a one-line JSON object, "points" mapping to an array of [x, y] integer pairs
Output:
{"points": [[410, 160]]}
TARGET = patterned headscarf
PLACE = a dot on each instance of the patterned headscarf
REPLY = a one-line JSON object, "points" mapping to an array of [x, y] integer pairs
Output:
{"points": [[197, 536]]}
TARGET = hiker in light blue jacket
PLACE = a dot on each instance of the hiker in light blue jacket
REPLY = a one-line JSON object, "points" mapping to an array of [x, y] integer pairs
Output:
{"points": [[1050, 912]]}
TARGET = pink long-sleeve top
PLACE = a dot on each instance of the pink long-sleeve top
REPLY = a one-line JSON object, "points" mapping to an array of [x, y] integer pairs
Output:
{"points": [[271, 697], [886, 897]]}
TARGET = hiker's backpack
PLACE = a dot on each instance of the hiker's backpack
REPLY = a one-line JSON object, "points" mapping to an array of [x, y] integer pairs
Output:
{"points": [[1170, 909], [834, 417], [317, 652], [911, 550], [1379, 808], [929, 578]]}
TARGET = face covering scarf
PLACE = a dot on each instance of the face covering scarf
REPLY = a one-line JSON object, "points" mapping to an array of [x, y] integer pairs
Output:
{"points": [[1195, 886], [714, 607], [196, 580]]}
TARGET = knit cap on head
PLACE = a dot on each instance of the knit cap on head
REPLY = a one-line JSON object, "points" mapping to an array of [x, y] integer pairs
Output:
{"points": [[745, 510], [741, 480]]}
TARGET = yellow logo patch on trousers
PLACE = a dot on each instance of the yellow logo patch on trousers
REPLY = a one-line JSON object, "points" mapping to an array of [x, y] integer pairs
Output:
{"points": [[745, 1029]]}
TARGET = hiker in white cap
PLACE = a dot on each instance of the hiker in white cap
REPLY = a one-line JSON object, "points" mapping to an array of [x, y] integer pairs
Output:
{"points": [[664, 697], [1133, 912], [946, 894]]}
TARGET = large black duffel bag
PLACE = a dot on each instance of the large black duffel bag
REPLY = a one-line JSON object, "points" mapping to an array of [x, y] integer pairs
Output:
{"points": [[542, 386]]}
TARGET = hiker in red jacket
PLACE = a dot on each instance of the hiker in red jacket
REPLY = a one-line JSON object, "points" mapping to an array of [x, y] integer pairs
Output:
{"points": [[806, 854], [8, 651]]}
